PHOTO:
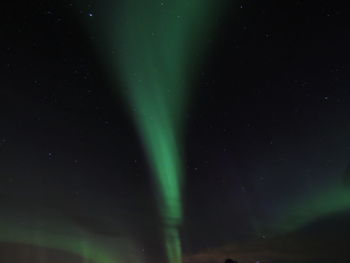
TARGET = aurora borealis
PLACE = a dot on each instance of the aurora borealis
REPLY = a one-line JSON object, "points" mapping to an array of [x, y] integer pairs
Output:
{"points": [[155, 44], [189, 131]]}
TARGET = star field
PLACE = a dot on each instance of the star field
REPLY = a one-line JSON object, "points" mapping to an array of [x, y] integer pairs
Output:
{"points": [[244, 105]]}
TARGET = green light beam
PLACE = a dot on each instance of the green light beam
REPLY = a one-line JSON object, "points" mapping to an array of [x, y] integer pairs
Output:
{"points": [[158, 44]]}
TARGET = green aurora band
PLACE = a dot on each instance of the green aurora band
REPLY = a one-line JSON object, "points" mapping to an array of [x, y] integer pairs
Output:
{"points": [[30, 223], [309, 207], [157, 44], [55, 237]]}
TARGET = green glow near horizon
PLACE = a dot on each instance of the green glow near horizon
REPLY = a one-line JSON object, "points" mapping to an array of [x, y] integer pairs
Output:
{"points": [[157, 42], [48, 229], [73, 243], [325, 202]]}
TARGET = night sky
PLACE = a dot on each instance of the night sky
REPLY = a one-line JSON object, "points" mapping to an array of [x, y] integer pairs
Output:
{"points": [[174, 131]]}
